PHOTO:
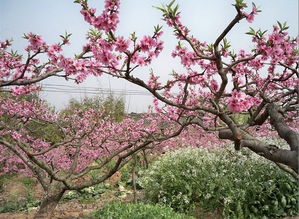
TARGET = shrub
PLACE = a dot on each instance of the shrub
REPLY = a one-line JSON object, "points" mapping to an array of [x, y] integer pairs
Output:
{"points": [[19, 205], [243, 184], [119, 210], [127, 170], [12, 201], [87, 193], [11, 206]]}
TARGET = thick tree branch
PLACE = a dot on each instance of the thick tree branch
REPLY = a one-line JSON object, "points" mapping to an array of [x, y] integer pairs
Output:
{"points": [[288, 170], [283, 130], [271, 152]]}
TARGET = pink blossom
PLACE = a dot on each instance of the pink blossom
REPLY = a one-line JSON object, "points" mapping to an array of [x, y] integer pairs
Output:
{"points": [[121, 44], [249, 17], [16, 135], [18, 90], [214, 85], [153, 82], [239, 102], [147, 43], [106, 21], [141, 61], [35, 42]]}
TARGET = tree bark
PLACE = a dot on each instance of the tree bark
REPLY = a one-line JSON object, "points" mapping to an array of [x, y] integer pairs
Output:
{"points": [[283, 130], [50, 200], [270, 152], [273, 153]]}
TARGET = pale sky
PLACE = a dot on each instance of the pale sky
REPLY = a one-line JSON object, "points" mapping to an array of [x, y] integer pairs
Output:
{"points": [[206, 19]]}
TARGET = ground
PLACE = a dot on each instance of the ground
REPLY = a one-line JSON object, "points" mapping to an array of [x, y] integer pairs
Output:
{"points": [[17, 188]]}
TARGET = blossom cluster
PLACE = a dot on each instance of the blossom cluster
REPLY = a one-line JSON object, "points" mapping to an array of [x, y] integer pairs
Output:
{"points": [[107, 20], [239, 102]]}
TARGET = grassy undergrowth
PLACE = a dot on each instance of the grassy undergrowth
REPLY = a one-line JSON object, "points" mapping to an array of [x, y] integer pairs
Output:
{"points": [[242, 185]]}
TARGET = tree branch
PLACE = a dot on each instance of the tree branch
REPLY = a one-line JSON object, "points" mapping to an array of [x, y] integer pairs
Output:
{"points": [[271, 152], [283, 130]]}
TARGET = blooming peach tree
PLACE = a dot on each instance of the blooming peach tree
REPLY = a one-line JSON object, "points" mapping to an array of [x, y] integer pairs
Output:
{"points": [[87, 141], [239, 96], [219, 86], [61, 149]]}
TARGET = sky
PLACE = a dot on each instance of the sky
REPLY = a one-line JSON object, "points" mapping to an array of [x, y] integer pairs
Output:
{"points": [[205, 19]]}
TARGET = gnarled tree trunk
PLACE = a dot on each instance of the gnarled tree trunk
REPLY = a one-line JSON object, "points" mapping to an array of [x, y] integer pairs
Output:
{"points": [[50, 200]]}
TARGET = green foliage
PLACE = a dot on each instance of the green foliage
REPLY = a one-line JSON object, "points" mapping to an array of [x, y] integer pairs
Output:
{"points": [[119, 210], [240, 118], [4, 178], [111, 105], [29, 182], [127, 170], [259, 33], [240, 4], [47, 131], [13, 202], [93, 32], [242, 184], [158, 28], [282, 26], [66, 36], [98, 173], [169, 10], [226, 44], [11, 206], [114, 107], [20, 205], [91, 192]]}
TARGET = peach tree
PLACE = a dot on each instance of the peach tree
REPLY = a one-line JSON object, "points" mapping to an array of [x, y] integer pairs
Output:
{"points": [[237, 95]]}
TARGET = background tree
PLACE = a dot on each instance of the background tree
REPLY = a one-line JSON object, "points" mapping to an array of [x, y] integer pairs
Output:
{"points": [[83, 141], [110, 105]]}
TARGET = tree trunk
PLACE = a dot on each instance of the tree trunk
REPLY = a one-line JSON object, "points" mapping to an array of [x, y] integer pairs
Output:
{"points": [[50, 200], [134, 179]]}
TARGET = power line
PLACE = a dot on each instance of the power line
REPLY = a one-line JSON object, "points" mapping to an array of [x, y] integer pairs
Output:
{"points": [[90, 90], [93, 88]]}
